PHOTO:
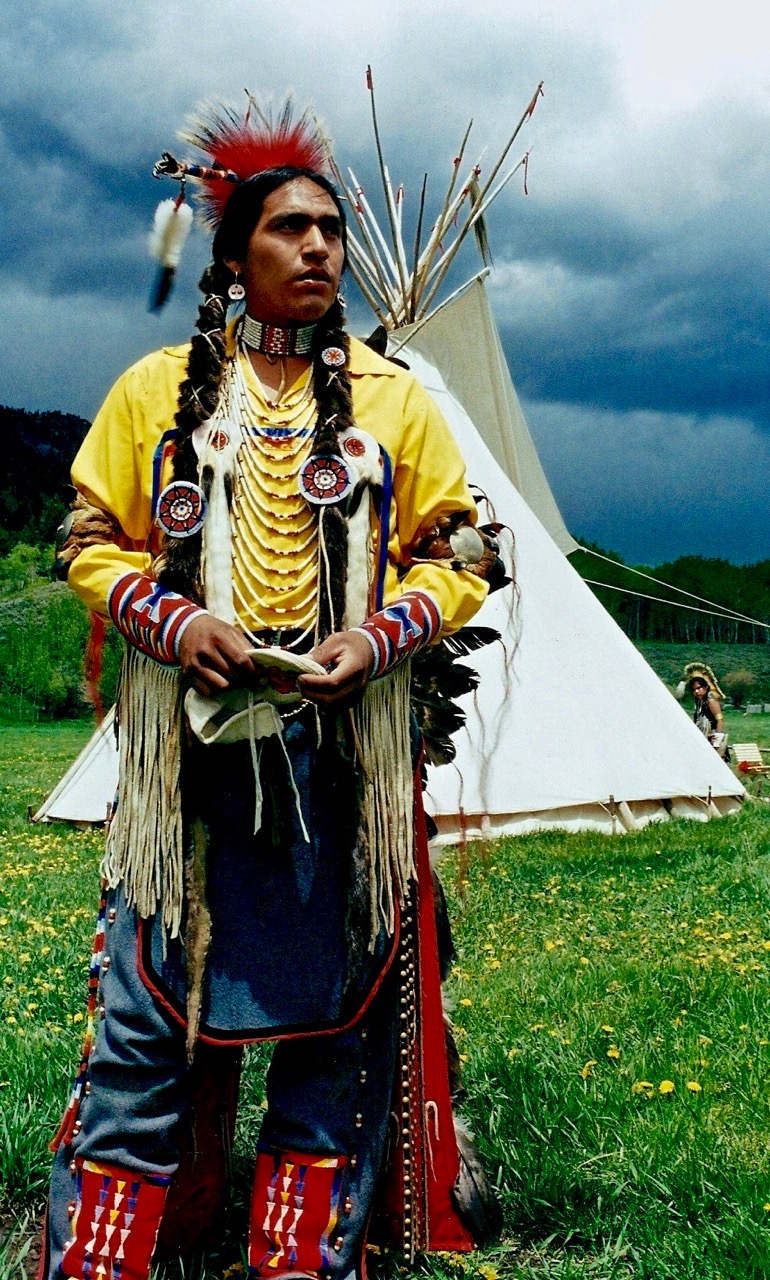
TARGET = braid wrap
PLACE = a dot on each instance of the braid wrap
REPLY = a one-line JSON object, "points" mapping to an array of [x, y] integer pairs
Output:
{"points": [[178, 566], [335, 414]]}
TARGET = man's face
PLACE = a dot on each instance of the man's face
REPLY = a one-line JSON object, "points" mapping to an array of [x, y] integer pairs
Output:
{"points": [[295, 255]]}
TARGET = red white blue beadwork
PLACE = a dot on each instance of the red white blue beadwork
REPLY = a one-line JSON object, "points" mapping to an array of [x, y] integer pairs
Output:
{"points": [[181, 509], [324, 479]]}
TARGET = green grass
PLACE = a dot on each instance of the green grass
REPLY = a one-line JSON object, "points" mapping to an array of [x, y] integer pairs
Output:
{"points": [[591, 971]]}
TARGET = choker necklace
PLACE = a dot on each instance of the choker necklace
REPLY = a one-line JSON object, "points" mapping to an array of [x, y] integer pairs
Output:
{"points": [[274, 340]]}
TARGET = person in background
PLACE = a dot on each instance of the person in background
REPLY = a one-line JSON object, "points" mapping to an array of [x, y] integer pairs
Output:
{"points": [[707, 711]]}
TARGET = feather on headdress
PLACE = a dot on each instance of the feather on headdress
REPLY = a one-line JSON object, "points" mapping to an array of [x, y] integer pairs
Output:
{"points": [[242, 145]]}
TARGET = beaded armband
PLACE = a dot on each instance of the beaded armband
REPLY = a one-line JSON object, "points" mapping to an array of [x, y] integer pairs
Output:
{"points": [[400, 629], [149, 616]]}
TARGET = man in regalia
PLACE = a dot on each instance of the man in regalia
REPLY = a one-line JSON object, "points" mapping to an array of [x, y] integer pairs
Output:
{"points": [[249, 514]]}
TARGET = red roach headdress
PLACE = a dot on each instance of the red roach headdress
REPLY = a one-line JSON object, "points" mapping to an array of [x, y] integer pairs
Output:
{"points": [[238, 146]]}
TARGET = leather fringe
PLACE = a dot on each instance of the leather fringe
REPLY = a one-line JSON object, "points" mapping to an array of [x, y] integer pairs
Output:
{"points": [[381, 725], [145, 844]]}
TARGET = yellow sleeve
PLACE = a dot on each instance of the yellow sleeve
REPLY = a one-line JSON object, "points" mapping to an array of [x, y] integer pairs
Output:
{"points": [[111, 472], [428, 481]]}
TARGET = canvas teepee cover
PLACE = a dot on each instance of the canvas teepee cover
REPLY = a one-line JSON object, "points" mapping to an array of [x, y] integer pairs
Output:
{"points": [[87, 790], [570, 727]]}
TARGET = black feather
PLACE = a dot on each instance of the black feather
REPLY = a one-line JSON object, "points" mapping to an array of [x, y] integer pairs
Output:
{"points": [[378, 340], [161, 288], [473, 1195], [437, 680], [470, 639]]}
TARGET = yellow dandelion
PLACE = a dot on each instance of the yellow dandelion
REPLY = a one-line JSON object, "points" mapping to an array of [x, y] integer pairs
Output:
{"points": [[466, 1003], [588, 1068], [613, 1051], [666, 1086], [693, 1086], [766, 1208], [642, 1086], [607, 1029], [584, 960], [487, 1271]]}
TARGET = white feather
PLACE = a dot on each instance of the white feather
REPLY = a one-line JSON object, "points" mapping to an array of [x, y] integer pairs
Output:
{"points": [[170, 228]]}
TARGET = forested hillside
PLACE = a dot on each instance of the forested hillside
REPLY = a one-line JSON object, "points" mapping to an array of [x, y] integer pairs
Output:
{"points": [[739, 588], [34, 488]]}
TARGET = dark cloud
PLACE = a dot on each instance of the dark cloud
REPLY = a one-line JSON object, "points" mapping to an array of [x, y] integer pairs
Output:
{"points": [[630, 286], [653, 486]]}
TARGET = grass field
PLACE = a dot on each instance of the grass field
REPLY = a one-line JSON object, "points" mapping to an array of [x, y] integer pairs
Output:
{"points": [[612, 1006]]}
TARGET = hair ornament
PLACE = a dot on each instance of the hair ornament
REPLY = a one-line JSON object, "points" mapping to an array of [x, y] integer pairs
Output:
{"points": [[324, 479], [333, 357], [170, 229], [181, 509]]}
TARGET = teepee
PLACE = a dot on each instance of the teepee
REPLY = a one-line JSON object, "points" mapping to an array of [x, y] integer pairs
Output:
{"points": [[569, 727]]}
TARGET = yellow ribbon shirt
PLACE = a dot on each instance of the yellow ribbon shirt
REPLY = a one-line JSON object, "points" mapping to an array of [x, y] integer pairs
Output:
{"points": [[126, 459]]}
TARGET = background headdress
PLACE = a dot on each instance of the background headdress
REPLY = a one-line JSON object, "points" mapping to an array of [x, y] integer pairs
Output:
{"points": [[238, 146], [702, 671]]}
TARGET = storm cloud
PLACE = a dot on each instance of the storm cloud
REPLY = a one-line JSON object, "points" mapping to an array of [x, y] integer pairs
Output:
{"points": [[630, 285]]}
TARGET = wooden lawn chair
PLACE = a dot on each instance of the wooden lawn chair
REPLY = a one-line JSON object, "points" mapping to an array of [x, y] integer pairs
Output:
{"points": [[748, 759]]}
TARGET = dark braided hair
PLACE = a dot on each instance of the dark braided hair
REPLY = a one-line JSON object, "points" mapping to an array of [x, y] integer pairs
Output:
{"points": [[179, 564]]}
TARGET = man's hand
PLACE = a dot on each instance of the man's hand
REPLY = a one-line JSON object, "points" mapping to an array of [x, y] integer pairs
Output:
{"points": [[214, 656], [349, 657]]}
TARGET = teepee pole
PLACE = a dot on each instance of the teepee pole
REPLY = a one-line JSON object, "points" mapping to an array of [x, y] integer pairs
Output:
{"points": [[449, 213], [371, 252], [359, 270], [527, 115], [417, 237], [385, 181], [437, 276]]}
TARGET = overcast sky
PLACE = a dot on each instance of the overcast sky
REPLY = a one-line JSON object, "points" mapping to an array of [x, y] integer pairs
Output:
{"points": [[630, 285]]}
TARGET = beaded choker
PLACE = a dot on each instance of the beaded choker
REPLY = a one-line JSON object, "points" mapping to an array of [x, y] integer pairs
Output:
{"points": [[274, 340]]}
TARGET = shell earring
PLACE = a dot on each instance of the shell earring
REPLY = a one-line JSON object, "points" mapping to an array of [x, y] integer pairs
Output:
{"points": [[236, 292]]}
